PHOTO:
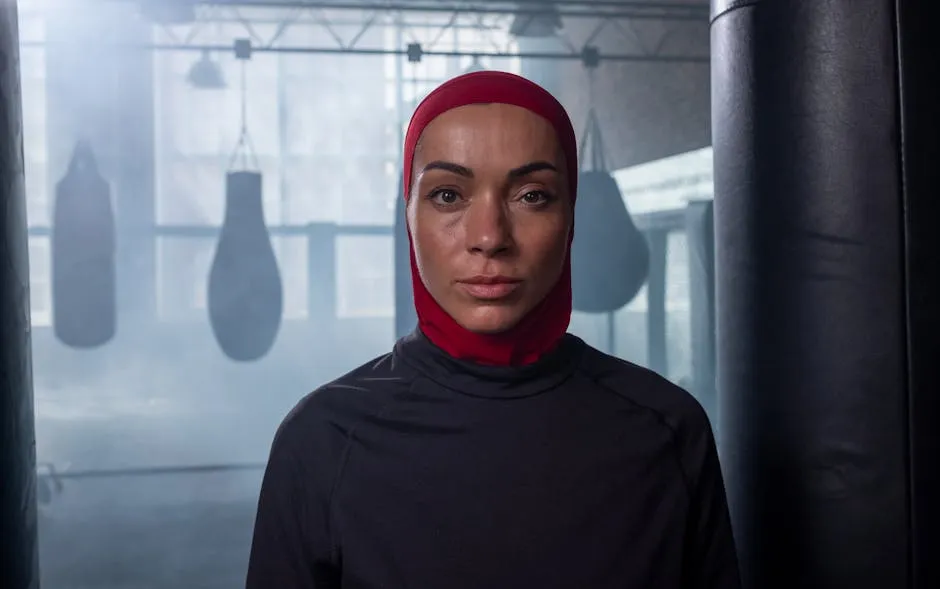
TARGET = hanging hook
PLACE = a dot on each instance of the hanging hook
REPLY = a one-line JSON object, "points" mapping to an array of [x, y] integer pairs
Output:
{"points": [[244, 148], [83, 157], [590, 57]]}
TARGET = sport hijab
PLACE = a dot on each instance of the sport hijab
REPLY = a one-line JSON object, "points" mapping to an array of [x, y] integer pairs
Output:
{"points": [[544, 326]]}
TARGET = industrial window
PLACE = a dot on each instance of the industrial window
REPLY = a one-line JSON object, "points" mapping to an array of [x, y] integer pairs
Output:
{"points": [[38, 193], [678, 310], [40, 283], [363, 277]]}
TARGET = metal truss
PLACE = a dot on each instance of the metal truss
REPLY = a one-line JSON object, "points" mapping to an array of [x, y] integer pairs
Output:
{"points": [[434, 19], [661, 10]]}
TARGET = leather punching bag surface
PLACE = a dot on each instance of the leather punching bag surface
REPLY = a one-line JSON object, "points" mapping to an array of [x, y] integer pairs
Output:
{"points": [[825, 134], [19, 563], [245, 294], [609, 255], [406, 318], [84, 289]]}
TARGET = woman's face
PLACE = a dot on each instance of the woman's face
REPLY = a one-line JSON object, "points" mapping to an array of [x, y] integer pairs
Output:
{"points": [[489, 213]]}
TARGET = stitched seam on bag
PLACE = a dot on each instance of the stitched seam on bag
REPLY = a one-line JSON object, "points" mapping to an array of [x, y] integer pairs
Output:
{"points": [[734, 5]]}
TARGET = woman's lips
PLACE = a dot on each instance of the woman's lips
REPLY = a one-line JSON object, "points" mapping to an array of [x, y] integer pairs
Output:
{"points": [[490, 292], [490, 288]]}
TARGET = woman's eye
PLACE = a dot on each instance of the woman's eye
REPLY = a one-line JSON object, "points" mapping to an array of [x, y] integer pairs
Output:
{"points": [[446, 197], [535, 197]]}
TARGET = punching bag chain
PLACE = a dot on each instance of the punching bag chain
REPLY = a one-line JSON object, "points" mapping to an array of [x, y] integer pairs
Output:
{"points": [[592, 134], [244, 149]]}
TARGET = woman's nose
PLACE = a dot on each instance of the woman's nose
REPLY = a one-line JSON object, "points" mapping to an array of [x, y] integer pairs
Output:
{"points": [[488, 228]]}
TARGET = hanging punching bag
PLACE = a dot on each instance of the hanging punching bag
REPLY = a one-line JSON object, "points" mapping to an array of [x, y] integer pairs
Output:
{"points": [[825, 119], [84, 306], [245, 294], [609, 255], [406, 318]]}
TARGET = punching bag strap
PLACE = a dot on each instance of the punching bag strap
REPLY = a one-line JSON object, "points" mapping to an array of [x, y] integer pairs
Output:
{"points": [[83, 159], [592, 135], [244, 149]]}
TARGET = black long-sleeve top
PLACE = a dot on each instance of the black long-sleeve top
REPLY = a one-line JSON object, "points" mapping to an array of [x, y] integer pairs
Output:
{"points": [[418, 471]]}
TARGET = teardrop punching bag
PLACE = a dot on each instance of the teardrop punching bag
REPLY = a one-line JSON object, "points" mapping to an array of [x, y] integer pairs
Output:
{"points": [[825, 128], [245, 294], [406, 318], [609, 255], [19, 561], [84, 306]]}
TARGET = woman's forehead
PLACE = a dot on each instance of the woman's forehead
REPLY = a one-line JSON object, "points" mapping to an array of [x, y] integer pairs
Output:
{"points": [[488, 131]]}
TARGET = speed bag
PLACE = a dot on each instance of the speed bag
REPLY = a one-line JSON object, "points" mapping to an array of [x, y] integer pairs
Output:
{"points": [[84, 285], [245, 294], [609, 255]]}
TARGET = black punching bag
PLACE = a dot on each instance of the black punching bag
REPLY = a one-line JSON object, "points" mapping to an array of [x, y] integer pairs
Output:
{"points": [[84, 309], [19, 563], [406, 318], [245, 294], [825, 131], [609, 255]]}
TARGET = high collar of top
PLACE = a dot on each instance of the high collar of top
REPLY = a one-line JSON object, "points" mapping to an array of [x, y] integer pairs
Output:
{"points": [[488, 381]]}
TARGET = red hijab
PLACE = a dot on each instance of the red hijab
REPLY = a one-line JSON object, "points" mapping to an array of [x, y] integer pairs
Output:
{"points": [[544, 326]]}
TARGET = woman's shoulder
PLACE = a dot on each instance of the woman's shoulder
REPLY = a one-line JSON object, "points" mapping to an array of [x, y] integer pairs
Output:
{"points": [[644, 388], [337, 406]]}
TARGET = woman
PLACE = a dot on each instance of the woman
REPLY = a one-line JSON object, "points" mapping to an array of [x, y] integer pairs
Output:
{"points": [[490, 449]]}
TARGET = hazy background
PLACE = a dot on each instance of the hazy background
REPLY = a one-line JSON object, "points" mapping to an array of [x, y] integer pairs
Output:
{"points": [[151, 447]]}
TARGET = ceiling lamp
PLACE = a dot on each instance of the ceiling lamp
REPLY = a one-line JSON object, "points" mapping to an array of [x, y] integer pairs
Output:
{"points": [[535, 24], [205, 74]]}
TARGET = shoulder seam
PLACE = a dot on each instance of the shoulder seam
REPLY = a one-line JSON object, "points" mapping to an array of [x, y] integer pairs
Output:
{"points": [[338, 477], [660, 417]]}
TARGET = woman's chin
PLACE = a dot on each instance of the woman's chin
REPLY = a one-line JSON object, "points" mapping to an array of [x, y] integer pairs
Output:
{"points": [[490, 321]]}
